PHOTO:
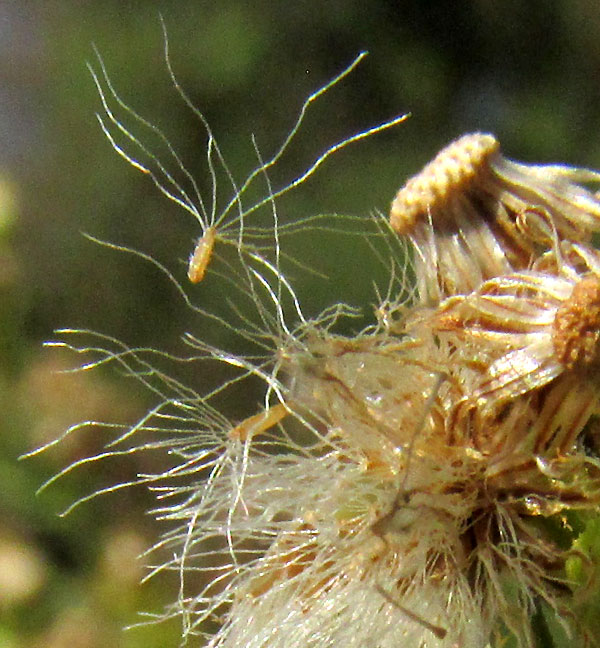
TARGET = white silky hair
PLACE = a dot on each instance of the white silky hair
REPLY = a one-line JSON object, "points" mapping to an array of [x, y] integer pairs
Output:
{"points": [[254, 523]]}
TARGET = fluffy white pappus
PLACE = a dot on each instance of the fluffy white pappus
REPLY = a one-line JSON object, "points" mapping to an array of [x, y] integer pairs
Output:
{"points": [[228, 211], [312, 548], [271, 521]]}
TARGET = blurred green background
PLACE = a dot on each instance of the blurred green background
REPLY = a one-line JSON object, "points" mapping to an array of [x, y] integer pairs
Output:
{"points": [[527, 71]]}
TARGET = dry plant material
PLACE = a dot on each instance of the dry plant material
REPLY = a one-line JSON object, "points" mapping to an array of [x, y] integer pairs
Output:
{"points": [[201, 256], [472, 214], [407, 486]]}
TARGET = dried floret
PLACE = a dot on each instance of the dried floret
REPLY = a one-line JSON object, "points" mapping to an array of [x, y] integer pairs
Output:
{"points": [[473, 215], [528, 328]]}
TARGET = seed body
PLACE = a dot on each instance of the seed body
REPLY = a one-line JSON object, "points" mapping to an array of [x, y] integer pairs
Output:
{"points": [[259, 423], [201, 256]]}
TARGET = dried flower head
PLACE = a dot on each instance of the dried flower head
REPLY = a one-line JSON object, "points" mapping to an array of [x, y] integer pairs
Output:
{"points": [[410, 484], [472, 214]]}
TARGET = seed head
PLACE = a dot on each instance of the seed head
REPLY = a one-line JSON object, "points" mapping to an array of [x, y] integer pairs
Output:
{"points": [[407, 485], [527, 328]]}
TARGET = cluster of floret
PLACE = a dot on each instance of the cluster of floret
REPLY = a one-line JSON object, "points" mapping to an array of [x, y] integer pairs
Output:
{"points": [[414, 485], [453, 442]]}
